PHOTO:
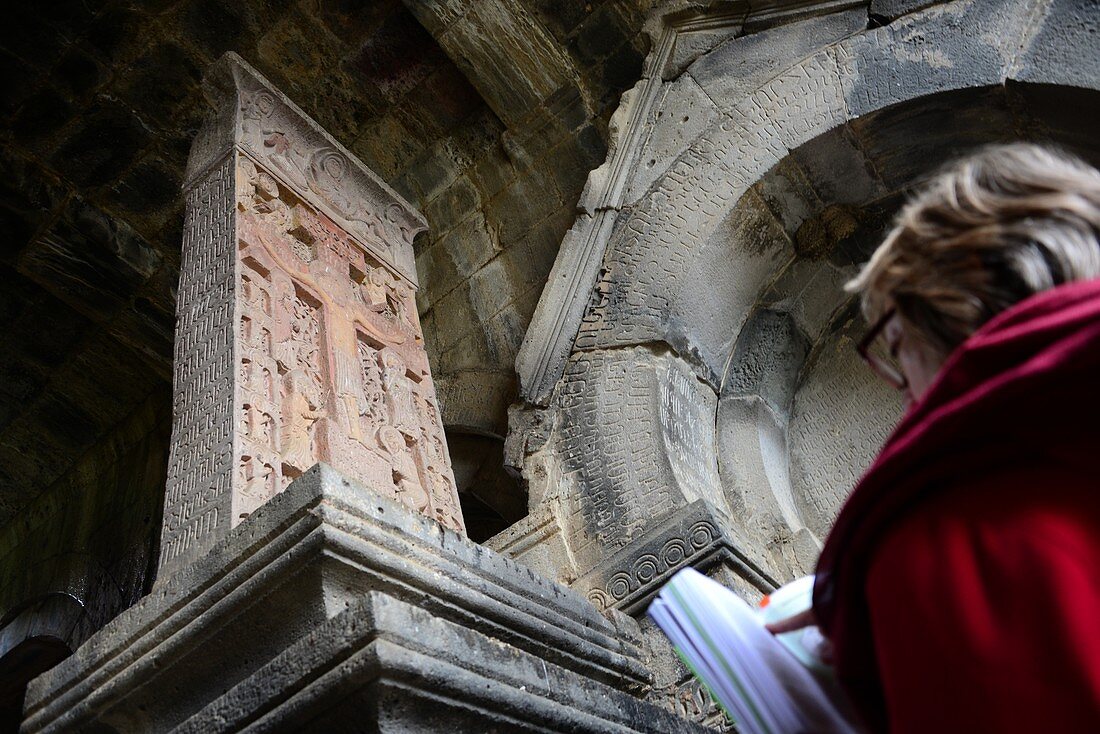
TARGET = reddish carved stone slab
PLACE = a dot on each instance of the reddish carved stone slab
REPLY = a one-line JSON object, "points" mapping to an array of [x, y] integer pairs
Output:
{"points": [[297, 336]]}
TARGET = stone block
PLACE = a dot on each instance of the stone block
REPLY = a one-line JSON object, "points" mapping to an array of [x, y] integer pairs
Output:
{"points": [[492, 171], [40, 118], [811, 292], [908, 142], [887, 11], [525, 201], [767, 360], [118, 33], [634, 440], [323, 602], [682, 114], [475, 399], [89, 260], [741, 65], [537, 541], [828, 455], [452, 205], [623, 67], [159, 81], [106, 141], [838, 170], [469, 245], [30, 199], [1065, 49], [215, 26], [387, 146], [952, 46], [511, 59], [455, 317], [79, 74]]}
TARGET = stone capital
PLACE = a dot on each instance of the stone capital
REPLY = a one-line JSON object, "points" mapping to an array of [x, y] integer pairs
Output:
{"points": [[250, 114]]}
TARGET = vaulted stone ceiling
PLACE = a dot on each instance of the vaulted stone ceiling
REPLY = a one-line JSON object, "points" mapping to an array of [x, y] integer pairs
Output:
{"points": [[487, 115]]}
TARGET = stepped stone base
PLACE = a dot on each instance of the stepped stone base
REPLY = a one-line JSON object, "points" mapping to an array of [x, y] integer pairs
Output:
{"points": [[332, 609]]}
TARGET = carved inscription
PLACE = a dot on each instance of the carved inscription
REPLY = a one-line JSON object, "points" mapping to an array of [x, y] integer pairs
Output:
{"points": [[610, 452], [840, 417], [647, 262], [200, 466]]}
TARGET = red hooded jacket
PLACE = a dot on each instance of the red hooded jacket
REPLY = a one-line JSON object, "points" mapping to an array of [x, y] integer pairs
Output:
{"points": [[960, 585]]}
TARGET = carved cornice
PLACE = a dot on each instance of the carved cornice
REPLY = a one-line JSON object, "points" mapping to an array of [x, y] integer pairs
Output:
{"points": [[693, 536], [273, 131]]}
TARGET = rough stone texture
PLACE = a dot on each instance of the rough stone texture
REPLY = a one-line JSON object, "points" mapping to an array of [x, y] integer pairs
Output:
{"points": [[297, 332], [887, 11], [368, 612], [840, 417]]}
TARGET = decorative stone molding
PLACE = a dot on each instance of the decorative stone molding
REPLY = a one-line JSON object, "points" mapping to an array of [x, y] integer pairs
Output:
{"points": [[693, 536]]}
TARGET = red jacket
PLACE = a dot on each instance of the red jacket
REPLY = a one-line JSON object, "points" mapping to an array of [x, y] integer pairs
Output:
{"points": [[961, 582]]}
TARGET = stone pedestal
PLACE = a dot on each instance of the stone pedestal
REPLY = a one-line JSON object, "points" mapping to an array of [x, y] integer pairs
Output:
{"points": [[335, 609]]}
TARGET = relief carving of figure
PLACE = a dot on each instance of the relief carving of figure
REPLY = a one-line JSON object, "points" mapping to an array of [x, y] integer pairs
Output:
{"points": [[399, 394], [302, 407], [405, 475], [372, 403]]}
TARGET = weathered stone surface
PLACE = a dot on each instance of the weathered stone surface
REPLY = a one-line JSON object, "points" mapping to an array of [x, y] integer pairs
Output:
{"points": [[741, 65], [887, 11], [311, 554], [634, 437], [841, 415], [951, 46], [390, 667], [509, 57], [767, 360], [298, 337], [682, 114], [1064, 49], [538, 542]]}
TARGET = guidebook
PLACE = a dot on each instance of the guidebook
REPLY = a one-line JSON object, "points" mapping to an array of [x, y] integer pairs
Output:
{"points": [[767, 684]]}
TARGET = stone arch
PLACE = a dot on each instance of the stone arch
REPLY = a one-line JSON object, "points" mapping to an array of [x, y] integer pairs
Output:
{"points": [[670, 240], [703, 267]]}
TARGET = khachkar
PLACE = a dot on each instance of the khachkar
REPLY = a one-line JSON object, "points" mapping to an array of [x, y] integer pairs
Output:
{"points": [[297, 336]]}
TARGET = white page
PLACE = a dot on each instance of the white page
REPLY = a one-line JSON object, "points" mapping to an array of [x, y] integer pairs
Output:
{"points": [[755, 678]]}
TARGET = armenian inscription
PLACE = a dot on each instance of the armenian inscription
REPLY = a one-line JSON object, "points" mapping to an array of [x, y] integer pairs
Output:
{"points": [[298, 338]]}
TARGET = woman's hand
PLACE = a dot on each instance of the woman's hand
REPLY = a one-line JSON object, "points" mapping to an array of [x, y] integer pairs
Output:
{"points": [[799, 621], [792, 623]]}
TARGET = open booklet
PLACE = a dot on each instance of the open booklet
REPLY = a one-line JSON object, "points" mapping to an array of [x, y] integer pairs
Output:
{"points": [[765, 686]]}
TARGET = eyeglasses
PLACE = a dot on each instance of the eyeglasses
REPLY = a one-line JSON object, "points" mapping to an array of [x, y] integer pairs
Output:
{"points": [[879, 356]]}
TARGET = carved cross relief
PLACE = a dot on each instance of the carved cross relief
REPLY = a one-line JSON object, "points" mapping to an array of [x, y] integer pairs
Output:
{"points": [[332, 365], [298, 339]]}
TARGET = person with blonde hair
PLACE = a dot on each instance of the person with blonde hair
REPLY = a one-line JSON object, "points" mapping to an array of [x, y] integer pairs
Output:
{"points": [[960, 584]]}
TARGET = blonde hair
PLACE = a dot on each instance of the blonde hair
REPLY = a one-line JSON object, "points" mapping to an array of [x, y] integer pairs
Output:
{"points": [[990, 230]]}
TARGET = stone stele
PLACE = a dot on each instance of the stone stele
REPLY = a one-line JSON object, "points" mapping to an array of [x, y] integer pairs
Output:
{"points": [[297, 335]]}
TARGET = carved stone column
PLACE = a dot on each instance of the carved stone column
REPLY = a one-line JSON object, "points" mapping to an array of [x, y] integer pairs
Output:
{"points": [[297, 335]]}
